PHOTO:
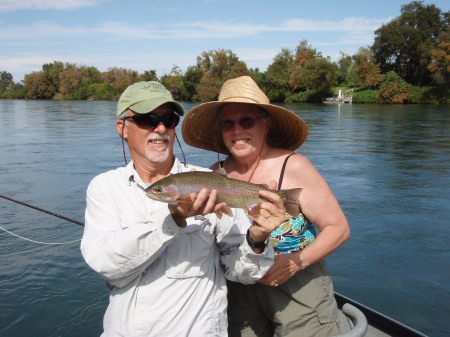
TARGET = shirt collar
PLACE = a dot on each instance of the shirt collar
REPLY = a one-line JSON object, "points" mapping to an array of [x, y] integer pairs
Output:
{"points": [[133, 176]]}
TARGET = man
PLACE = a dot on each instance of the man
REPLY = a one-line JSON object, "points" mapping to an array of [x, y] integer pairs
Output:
{"points": [[166, 264]]}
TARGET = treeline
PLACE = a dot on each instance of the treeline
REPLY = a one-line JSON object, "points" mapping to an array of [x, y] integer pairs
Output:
{"points": [[409, 62]]}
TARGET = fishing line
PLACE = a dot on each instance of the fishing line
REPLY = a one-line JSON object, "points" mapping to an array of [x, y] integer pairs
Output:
{"points": [[45, 211], [42, 243], [42, 210]]}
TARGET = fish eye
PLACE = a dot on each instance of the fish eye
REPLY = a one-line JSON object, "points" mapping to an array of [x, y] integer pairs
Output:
{"points": [[157, 189]]}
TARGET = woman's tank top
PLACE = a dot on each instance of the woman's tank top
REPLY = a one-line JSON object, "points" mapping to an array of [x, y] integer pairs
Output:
{"points": [[294, 234]]}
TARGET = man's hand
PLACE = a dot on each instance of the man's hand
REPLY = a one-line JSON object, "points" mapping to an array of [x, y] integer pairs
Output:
{"points": [[195, 204]]}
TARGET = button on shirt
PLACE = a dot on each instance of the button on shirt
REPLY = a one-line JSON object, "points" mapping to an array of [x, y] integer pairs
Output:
{"points": [[167, 280]]}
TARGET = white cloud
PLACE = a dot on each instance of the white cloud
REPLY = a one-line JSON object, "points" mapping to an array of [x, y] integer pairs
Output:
{"points": [[54, 41], [13, 5], [41, 29], [188, 30], [348, 24]]}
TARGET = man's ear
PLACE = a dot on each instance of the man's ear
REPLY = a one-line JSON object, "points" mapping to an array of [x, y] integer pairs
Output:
{"points": [[121, 129]]}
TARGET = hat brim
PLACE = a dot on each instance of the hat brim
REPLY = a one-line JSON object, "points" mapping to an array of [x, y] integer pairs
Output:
{"points": [[287, 130], [147, 106]]}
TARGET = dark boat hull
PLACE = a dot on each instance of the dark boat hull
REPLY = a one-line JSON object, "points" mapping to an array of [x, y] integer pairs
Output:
{"points": [[377, 325]]}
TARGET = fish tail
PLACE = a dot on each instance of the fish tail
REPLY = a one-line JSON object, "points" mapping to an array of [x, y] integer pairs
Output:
{"points": [[291, 200]]}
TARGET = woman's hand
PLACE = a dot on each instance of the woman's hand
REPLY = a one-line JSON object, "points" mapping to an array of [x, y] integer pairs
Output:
{"points": [[266, 215], [284, 267]]}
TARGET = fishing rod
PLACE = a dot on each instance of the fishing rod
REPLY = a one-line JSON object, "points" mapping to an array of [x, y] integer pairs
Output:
{"points": [[42, 210]]}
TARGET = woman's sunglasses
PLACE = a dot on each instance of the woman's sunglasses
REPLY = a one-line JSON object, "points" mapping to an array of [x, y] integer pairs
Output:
{"points": [[150, 121], [244, 122]]}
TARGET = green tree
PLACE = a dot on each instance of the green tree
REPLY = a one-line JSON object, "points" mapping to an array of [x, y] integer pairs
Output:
{"points": [[275, 81], [15, 91], [101, 91], [191, 80], [90, 75], [393, 90], [404, 45], [119, 79], [440, 60], [6, 81], [174, 83], [217, 66], [149, 75], [347, 72], [304, 54], [51, 73], [36, 86], [318, 75], [70, 81], [366, 69]]}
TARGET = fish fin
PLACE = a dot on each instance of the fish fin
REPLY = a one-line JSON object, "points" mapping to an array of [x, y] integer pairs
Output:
{"points": [[249, 207], [221, 171], [227, 210], [219, 214], [291, 203]]}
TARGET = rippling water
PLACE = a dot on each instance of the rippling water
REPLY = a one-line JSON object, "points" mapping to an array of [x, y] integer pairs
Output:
{"points": [[389, 167]]}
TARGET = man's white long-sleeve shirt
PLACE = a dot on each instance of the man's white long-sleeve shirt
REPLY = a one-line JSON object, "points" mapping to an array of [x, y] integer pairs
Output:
{"points": [[168, 281]]}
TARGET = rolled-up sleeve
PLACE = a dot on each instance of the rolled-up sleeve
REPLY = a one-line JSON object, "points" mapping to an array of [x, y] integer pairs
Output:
{"points": [[241, 264]]}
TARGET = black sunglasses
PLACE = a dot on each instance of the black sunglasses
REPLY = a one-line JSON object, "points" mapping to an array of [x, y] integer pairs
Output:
{"points": [[244, 122], [150, 121]]}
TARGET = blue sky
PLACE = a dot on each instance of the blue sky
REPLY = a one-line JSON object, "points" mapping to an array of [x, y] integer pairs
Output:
{"points": [[158, 34]]}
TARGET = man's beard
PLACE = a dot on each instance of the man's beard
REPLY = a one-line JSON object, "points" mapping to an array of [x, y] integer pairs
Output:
{"points": [[159, 156]]}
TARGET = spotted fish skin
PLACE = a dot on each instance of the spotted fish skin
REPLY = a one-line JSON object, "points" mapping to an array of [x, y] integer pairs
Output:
{"points": [[235, 193]]}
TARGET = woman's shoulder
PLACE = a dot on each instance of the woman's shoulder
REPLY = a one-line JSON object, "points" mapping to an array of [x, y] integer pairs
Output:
{"points": [[298, 168], [293, 159]]}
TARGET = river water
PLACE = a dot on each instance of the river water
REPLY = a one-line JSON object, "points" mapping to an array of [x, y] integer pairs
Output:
{"points": [[389, 167]]}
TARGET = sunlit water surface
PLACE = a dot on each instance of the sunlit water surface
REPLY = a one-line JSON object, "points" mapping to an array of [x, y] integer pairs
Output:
{"points": [[389, 167]]}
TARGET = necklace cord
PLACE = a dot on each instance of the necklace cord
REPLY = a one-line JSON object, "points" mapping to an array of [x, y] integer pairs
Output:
{"points": [[256, 166], [123, 145], [182, 152]]}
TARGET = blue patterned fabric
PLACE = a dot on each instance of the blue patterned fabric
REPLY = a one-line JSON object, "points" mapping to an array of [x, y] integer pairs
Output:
{"points": [[293, 235]]}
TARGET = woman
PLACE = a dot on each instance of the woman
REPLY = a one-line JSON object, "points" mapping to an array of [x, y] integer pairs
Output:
{"points": [[295, 298]]}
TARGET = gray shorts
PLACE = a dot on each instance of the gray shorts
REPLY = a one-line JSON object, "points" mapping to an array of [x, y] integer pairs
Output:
{"points": [[302, 306]]}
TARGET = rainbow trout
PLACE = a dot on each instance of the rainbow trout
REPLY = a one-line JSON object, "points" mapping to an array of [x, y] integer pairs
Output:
{"points": [[235, 193]]}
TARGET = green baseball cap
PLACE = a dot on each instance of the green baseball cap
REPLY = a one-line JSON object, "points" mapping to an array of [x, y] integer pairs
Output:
{"points": [[144, 97]]}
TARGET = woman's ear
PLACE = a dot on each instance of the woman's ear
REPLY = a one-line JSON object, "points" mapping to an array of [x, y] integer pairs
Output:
{"points": [[267, 131], [268, 124]]}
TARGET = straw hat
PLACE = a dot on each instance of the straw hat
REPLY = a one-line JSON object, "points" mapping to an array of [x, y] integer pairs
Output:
{"points": [[287, 130]]}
